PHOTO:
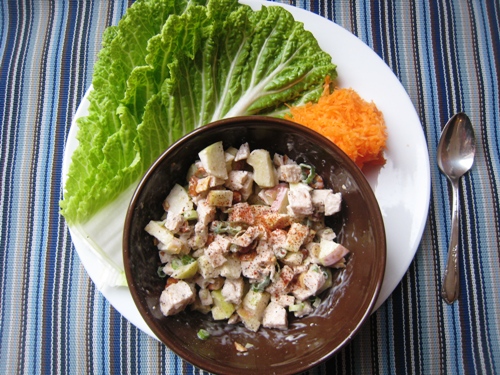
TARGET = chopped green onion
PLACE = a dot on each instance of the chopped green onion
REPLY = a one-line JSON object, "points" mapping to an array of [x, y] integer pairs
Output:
{"points": [[176, 263], [203, 334], [259, 287], [227, 227], [183, 261], [160, 272], [187, 259], [308, 173]]}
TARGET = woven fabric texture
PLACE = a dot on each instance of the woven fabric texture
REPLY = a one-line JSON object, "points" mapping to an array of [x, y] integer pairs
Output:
{"points": [[446, 54]]}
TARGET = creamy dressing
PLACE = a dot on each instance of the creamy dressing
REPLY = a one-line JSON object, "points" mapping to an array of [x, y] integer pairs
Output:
{"points": [[252, 247]]}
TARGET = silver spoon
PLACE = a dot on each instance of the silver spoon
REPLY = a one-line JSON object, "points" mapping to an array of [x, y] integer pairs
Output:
{"points": [[455, 156]]}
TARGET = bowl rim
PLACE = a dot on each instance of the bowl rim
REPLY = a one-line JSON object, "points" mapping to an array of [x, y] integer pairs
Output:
{"points": [[378, 224]]}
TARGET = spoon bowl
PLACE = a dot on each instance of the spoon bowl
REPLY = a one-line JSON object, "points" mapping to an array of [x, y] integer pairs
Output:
{"points": [[455, 156], [457, 146]]}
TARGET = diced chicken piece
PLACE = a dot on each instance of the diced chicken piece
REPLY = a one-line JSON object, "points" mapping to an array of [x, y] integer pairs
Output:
{"points": [[231, 268], [299, 202], [293, 259], [216, 250], [309, 283], [333, 204], [275, 316], [290, 173], [215, 256], [258, 268], [242, 213], [324, 200], [280, 286], [277, 240], [223, 241], [174, 222], [314, 278], [176, 297], [205, 297], [295, 237], [247, 237], [274, 220], [237, 180], [284, 300], [243, 152], [301, 293], [206, 213], [233, 290]]}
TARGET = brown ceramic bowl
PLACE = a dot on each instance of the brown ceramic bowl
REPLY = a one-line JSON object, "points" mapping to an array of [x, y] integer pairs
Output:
{"points": [[309, 340]]}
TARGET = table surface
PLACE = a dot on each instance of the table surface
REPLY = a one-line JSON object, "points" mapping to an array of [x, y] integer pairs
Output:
{"points": [[53, 319]]}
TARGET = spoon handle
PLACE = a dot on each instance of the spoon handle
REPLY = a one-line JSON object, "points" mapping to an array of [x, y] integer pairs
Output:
{"points": [[451, 277]]}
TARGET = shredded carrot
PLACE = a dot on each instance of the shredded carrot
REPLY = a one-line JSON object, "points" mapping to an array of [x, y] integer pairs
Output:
{"points": [[354, 125]]}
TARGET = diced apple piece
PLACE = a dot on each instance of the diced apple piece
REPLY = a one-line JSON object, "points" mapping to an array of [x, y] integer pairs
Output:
{"points": [[221, 309], [331, 252], [247, 188], [256, 302], [264, 174], [281, 202], [243, 152], [252, 309], [178, 200], [229, 157], [295, 237], [168, 242], [213, 160], [207, 271], [186, 272], [220, 198], [249, 319]]}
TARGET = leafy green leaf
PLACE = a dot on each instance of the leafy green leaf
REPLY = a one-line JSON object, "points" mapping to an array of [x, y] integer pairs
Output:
{"points": [[191, 65]]}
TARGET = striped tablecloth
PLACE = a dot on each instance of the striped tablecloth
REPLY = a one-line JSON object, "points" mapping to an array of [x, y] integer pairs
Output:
{"points": [[446, 53]]}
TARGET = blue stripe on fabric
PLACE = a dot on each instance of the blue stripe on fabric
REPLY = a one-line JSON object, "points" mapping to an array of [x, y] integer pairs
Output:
{"points": [[52, 82], [40, 246], [491, 118]]}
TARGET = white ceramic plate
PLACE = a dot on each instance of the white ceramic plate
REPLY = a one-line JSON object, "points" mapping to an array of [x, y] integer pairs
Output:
{"points": [[402, 186]]}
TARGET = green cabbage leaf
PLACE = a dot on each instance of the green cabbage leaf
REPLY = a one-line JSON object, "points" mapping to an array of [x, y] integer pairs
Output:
{"points": [[169, 67]]}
